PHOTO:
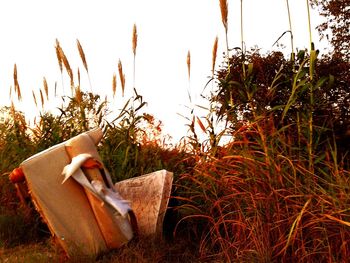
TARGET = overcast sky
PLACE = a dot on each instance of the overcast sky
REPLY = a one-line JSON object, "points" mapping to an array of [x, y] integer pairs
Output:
{"points": [[167, 29]]}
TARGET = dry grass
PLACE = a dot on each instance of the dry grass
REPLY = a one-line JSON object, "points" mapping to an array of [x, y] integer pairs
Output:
{"points": [[46, 88], [42, 98], [134, 39], [34, 98], [188, 62], [62, 60], [16, 84], [121, 76], [248, 205], [141, 251], [224, 13], [214, 54], [33, 253], [82, 56], [114, 84]]}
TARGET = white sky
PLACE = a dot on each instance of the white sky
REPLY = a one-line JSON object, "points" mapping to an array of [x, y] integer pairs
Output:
{"points": [[167, 29]]}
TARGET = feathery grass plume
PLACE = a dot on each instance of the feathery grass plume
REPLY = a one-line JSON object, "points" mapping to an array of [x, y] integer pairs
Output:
{"points": [[16, 84], [188, 61], [114, 84], [134, 46], [189, 64], [82, 55], [42, 98], [224, 15], [215, 50], [46, 88], [62, 59], [134, 39], [121, 76], [59, 59], [83, 58], [58, 54], [10, 93], [34, 97]]}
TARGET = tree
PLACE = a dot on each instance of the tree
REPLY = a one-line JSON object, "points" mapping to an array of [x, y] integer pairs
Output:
{"points": [[288, 93], [336, 28]]}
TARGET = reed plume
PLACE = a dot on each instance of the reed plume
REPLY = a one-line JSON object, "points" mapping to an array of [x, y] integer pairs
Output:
{"points": [[224, 15], [134, 39], [215, 50], [34, 97], [82, 56], [121, 76], [16, 84], [42, 98], [46, 88], [134, 46], [62, 59], [189, 64], [188, 61], [114, 84], [58, 54], [83, 59]]}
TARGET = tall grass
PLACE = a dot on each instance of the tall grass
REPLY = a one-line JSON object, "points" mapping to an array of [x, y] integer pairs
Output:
{"points": [[133, 144], [275, 193]]}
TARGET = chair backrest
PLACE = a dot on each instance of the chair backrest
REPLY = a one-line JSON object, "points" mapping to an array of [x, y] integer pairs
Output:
{"points": [[72, 213]]}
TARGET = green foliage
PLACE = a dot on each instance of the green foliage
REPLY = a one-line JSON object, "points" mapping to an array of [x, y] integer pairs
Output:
{"points": [[128, 151], [278, 191]]}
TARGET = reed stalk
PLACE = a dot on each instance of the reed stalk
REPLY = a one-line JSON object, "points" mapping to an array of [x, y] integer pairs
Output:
{"points": [[311, 73], [291, 33], [214, 55], [309, 23], [242, 42]]}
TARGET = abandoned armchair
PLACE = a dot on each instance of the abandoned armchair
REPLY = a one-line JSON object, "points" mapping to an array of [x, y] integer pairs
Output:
{"points": [[75, 196]]}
